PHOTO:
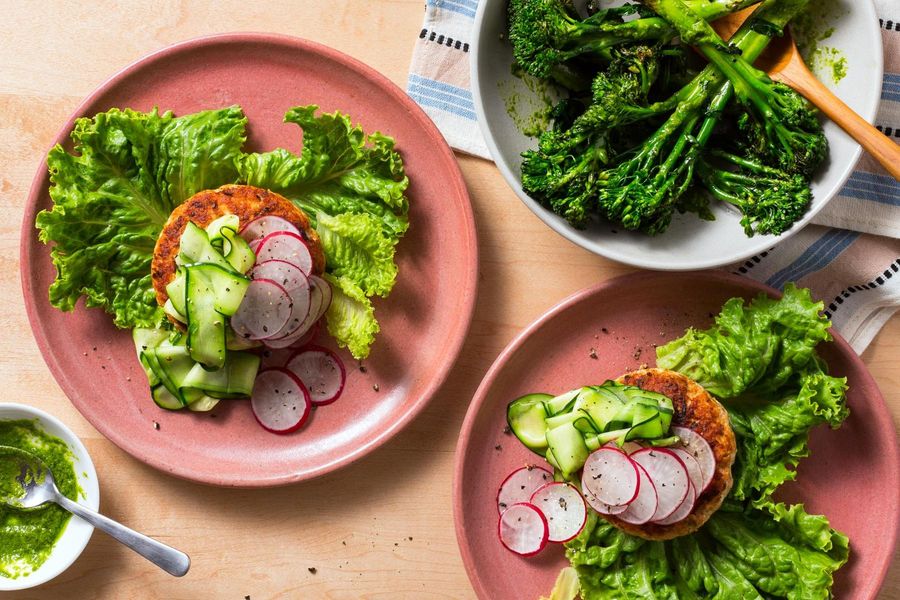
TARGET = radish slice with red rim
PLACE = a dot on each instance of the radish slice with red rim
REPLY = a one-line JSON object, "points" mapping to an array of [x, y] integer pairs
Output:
{"points": [[321, 372], [279, 401], [295, 282], [520, 485], [260, 227], [627, 447], [683, 510], [286, 246], [697, 446], [611, 476], [564, 509], [254, 245], [265, 309], [669, 477], [327, 293], [601, 507], [523, 529], [642, 508], [695, 474]]}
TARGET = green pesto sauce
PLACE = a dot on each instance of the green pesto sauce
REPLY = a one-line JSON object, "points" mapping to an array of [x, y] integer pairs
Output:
{"points": [[810, 30], [529, 111], [28, 536]]}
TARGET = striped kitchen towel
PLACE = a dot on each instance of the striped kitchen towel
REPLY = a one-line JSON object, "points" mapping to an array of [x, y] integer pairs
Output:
{"points": [[853, 269]]}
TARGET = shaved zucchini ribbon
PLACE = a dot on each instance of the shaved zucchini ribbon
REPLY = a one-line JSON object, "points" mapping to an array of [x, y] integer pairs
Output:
{"points": [[565, 429], [199, 368]]}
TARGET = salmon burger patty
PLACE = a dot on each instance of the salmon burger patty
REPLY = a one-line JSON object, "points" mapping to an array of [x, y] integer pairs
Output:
{"points": [[695, 409], [245, 201]]}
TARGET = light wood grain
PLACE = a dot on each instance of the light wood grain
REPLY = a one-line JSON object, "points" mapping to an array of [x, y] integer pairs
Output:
{"points": [[381, 528]]}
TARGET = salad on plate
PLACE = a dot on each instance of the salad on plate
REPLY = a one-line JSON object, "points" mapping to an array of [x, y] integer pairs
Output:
{"points": [[662, 483], [223, 262]]}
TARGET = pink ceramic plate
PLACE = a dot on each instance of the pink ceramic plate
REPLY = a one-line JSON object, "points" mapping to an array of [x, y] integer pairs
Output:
{"points": [[423, 321], [622, 320]]}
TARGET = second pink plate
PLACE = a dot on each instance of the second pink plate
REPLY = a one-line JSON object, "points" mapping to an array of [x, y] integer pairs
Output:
{"points": [[423, 322], [604, 331]]}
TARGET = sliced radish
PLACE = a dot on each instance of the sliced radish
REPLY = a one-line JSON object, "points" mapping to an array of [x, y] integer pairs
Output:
{"points": [[254, 245], [260, 227], [669, 477], [295, 282], [683, 510], [523, 529], [325, 288], [279, 401], [642, 508], [602, 507], [611, 476], [287, 246], [520, 485], [298, 339], [321, 372], [265, 309], [564, 509], [693, 467], [697, 446]]}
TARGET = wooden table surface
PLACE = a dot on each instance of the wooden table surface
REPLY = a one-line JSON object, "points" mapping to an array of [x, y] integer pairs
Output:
{"points": [[395, 543]]}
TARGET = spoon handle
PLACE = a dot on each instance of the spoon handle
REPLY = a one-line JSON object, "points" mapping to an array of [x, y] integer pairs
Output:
{"points": [[165, 557], [880, 146]]}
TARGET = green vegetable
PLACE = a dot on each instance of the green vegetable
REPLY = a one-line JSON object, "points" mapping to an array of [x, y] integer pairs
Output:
{"points": [[754, 348], [588, 168], [112, 196], [352, 185], [546, 35], [781, 127]]}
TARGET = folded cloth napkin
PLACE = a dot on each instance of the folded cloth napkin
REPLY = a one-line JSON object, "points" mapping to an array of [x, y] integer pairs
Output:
{"points": [[850, 260]]}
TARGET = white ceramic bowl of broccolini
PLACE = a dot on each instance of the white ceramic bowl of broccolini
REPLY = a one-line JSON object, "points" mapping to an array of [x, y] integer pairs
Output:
{"points": [[839, 35]]}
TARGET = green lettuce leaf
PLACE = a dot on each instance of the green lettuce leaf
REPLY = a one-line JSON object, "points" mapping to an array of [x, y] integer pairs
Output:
{"points": [[755, 348], [351, 317], [775, 551], [352, 186], [112, 196]]}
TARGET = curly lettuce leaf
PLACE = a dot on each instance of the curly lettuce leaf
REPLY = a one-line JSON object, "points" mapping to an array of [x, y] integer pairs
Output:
{"points": [[756, 347], [112, 196], [351, 317], [352, 186], [771, 552]]}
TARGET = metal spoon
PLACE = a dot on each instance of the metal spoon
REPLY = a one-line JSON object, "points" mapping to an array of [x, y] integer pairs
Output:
{"points": [[38, 488], [783, 62]]}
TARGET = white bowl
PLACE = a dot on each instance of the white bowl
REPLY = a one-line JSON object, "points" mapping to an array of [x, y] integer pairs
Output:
{"points": [[689, 243], [77, 532]]}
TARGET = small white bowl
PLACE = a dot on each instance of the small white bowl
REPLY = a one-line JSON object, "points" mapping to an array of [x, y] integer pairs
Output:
{"points": [[77, 533], [689, 243]]}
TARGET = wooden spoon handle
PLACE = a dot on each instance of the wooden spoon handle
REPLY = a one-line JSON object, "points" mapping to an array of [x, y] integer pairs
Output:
{"points": [[880, 146]]}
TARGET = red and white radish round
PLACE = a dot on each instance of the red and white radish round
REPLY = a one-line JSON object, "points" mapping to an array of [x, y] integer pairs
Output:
{"points": [[642, 508], [520, 485], [697, 446], [611, 476], [287, 246], [279, 401], [265, 309], [260, 227], [321, 372], [564, 508], [327, 293], [669, 477], [523, 529], [683, 510], [695, 474], [601, 507], [295, 283]]}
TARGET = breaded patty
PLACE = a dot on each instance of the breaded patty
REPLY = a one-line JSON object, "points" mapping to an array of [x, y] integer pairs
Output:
{"points": [[245, 201], [695, 409]]}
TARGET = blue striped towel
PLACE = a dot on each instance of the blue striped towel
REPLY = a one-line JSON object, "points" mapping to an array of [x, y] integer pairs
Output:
{"points": [[850, 259]]}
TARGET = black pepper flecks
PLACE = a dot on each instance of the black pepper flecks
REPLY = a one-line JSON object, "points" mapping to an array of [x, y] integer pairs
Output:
{"points": [[313, 570], [155, 425], [498, 447], [375, 387], [593, 353]]}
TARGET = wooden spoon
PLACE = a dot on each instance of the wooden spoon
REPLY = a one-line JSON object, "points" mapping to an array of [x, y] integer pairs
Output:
{"points": [[783, 62]]}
